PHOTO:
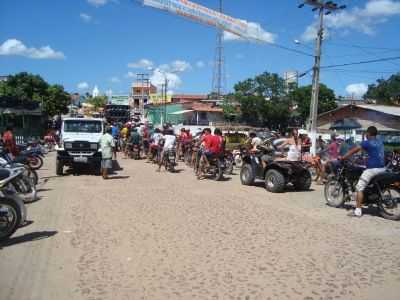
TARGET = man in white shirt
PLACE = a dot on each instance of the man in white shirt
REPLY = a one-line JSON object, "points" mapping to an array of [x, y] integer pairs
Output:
{"points": [[169, 140]]}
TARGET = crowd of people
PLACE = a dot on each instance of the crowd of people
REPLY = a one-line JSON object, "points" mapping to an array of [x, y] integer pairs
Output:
{"points": [[153, 144]]}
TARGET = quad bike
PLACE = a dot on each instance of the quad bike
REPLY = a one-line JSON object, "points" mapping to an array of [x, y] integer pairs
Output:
{"points": [[276, 174]]}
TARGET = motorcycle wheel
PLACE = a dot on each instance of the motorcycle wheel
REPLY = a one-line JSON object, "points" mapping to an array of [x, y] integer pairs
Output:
{"points": [[313, 172], [247, 176], [274, 181], [34, 176], [35, 162], [228, 167], [334, 194], [188, 158], [10, 218], [238, 161], [389, 206], [219, 173]]}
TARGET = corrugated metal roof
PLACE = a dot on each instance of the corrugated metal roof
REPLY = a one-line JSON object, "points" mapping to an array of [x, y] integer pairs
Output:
{"points": [[390, 110]]}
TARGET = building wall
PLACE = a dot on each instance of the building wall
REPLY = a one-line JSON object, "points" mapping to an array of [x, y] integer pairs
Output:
{"points": [[364, 116]]}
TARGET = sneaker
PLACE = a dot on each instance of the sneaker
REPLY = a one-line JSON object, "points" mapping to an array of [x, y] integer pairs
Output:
{"points": [[356, 213]]}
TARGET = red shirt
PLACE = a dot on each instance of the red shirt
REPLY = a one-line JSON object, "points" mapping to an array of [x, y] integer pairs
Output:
{"points": [[208, 141], [217, 142]]}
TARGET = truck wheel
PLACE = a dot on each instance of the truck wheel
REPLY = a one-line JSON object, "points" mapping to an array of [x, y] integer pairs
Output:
{"points": [[59, 167], [274, 181], [247, 175], [303, 181]]}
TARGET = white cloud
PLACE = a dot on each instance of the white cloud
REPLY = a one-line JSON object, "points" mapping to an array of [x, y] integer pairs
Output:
{"points": [[82, 85], [255, 31], [16, 47], [97, 3], [141, 64], [358, 19], [115, 79], [180, 66], [130, 75], [158, 79], [357, 89], [85, 17], [200, 64]]}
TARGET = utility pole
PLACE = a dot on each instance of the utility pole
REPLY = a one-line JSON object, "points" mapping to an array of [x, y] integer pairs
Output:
{"points": [[324, 8], [165, 99], [219, 76]]}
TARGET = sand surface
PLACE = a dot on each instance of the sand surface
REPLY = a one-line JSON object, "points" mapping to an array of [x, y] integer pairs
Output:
{"points": [[151, 235]]}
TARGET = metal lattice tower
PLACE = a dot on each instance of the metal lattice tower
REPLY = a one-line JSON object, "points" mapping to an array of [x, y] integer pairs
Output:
{"points": [[219, 74]]}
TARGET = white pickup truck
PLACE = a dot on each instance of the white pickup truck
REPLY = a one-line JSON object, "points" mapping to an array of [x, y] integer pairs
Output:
{"points": [[79, 143]]}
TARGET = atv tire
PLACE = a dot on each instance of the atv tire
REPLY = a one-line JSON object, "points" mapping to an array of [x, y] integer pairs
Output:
{"points": [[59, 168], [303, 181], [275, 181], [247, 175]]}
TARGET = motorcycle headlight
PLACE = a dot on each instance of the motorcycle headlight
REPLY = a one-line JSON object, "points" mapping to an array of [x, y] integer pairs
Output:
{"points": [[68, 145], [93, 146]]}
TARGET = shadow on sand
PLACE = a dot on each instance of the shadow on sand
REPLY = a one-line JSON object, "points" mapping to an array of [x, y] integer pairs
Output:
{"points": [[28, 237]]}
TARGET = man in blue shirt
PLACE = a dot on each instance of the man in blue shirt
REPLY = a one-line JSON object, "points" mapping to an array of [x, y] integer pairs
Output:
{"points": [[375, 165]]}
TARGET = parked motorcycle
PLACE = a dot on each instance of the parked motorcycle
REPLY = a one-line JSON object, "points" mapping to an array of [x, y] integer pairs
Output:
{"points": [[12, 208], [383, 190]]}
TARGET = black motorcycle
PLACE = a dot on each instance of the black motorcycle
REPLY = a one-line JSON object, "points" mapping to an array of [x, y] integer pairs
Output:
{"points": [[383, 190], [170, 160]]}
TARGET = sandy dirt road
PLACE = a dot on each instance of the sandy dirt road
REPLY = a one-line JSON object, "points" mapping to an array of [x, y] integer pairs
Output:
{"points": [[151, 235]]}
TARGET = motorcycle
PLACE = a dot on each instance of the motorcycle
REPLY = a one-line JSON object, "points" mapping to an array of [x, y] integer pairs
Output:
{"points": [[383, 191], [170, 160], [12, 208], [229, 163], [215, 169]]}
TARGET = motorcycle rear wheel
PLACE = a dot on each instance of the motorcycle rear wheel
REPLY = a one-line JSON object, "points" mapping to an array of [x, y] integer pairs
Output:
{"points": [[35, 162], [10, 218], [334, 194], [389, 206]]}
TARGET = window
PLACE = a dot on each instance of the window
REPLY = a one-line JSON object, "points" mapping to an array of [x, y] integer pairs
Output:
{"points": [[83, 126]]}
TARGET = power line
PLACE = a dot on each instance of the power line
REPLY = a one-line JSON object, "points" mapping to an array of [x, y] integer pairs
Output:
{"points": [[289, 49], [362, 62]]}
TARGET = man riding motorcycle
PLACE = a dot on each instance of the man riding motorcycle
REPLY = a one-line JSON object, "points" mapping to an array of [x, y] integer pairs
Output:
{"points": [[375, 165], [169, 141]]}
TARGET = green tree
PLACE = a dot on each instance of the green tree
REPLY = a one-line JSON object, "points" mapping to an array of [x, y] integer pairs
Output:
{"points": [[385, 91], [302, 98], [98, 101], [56, 100], [30, 89], [263, 101]]}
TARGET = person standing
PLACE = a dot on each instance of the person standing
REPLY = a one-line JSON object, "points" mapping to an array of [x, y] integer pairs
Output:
{"points": [[9, 141], [107, 146]]}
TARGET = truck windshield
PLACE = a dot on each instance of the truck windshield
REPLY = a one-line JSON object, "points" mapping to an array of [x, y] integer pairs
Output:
{"points": [[83, 126]]}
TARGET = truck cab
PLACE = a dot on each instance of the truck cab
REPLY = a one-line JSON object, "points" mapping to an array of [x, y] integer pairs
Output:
{"points": [[79, 143]]}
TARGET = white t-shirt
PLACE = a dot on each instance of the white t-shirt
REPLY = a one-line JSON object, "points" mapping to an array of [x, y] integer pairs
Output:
{"points": [[256, 142], [169, 142], [157, 137]]}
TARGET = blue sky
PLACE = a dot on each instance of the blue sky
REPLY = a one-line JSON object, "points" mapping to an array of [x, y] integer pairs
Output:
{"points": [[82, 43]]}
